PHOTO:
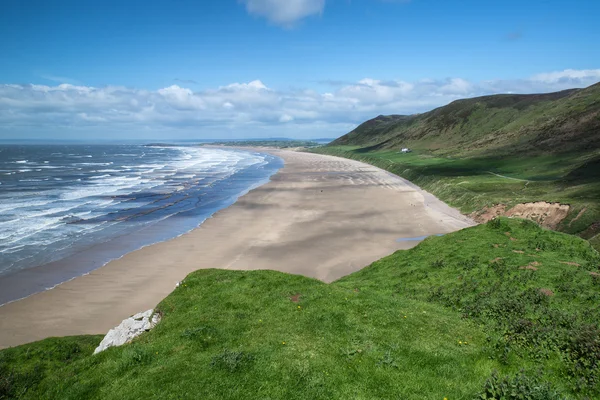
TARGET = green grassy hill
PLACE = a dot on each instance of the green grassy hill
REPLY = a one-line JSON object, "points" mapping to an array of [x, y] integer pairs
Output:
{"points": [[505, 310], [567, 121], [502, 150]]}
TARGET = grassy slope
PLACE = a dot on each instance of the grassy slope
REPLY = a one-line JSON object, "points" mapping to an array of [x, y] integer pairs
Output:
{"points": [[509, 149], [567, 121], [427, 323]]}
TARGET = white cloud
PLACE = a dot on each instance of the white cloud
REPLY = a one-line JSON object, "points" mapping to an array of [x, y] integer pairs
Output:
{"points": [[568, 76], [284, 12], [286, 118], [181, 98], [242, 109]]}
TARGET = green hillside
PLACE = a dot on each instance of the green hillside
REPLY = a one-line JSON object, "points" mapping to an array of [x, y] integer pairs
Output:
{"points": [[505, 310], [496, 151], [567, 121]]}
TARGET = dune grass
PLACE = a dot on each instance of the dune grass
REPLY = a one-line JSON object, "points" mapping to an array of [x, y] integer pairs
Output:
{"points": [[433, 322]]}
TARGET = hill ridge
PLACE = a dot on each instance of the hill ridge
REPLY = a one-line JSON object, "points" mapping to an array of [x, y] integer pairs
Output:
{"points": [[558, 122]]}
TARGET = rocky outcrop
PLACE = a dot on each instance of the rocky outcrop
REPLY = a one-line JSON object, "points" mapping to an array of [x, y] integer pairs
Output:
{"points": [[548, 215], [130, 328]]}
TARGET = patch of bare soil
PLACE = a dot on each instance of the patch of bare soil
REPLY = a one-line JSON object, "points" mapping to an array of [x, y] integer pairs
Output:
{"points": [[488, 214], [570, 263], [532, 266], [295, 298], [548, 215], [518, 251], [547, 292]]}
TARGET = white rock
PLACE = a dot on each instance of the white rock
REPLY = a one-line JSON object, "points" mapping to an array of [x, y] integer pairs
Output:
{"points": [[128, 329]]}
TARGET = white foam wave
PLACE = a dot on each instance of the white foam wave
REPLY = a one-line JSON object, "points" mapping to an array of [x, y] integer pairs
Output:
{"points": [[31, 223], [94, 163]]}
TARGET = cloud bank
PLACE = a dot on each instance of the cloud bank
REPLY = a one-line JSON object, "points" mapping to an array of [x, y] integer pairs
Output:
{"points": [[249, 109]]}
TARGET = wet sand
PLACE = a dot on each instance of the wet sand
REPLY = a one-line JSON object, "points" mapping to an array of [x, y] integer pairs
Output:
{"points": [[320, 216]]}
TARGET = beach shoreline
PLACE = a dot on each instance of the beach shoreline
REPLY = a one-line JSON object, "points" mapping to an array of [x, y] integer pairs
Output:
{"points": [[29, 281], [319, 216]]}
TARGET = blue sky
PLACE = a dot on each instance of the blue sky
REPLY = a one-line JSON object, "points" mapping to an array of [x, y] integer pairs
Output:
{"points": [[295, 68]]}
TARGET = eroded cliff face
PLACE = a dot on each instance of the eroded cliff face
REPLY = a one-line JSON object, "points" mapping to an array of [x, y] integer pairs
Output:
{"points": [[548, 215]]}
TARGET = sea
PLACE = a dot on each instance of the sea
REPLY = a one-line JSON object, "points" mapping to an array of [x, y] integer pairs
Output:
{"points": [[66, 210]]}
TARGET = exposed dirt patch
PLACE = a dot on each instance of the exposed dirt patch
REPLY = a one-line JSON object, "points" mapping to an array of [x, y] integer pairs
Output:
{"points": [[548, 215], [570, 263], [497, 259], [295, 298], [518, 251], [595, 274], [487, 214], [547, 292], [529, 267], [532, 266]]}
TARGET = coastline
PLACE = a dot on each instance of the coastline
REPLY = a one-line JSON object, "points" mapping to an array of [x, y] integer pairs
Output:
{"points": [[29, 281], [319, 216]]}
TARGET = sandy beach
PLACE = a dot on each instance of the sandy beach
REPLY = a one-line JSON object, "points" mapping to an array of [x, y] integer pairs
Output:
{"points": [[319, 216]]}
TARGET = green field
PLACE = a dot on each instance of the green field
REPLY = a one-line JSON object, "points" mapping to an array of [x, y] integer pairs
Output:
{"points": [[470, 184], [457, 317]]}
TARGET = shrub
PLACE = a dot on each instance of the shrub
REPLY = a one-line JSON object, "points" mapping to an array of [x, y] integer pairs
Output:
{"points": [[583, 358], [519, 387]]}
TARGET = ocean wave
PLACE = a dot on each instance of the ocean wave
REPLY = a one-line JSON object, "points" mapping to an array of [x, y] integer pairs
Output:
{"points": [[99, 176], [95, 163], [85, 202]]}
